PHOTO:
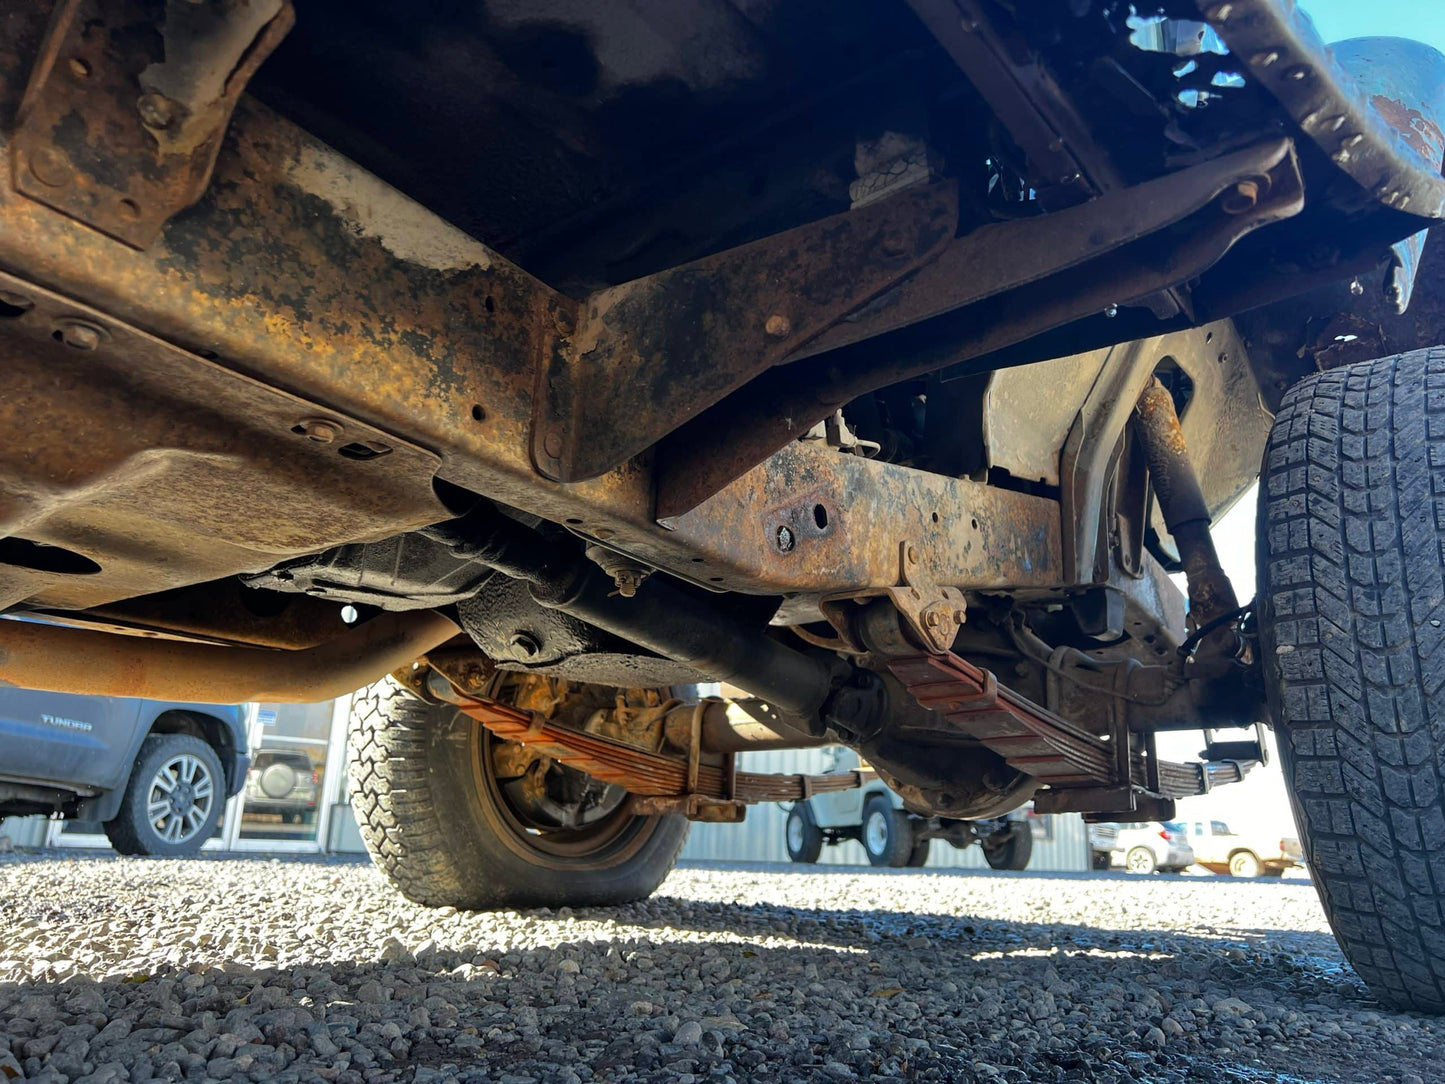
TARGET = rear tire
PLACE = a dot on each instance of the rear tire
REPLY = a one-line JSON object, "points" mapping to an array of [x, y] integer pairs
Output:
{"points": [[436, 822], [804, 837], [172, 801], [887, 833], [918, 857], [1013, 853], [1351, 607]]}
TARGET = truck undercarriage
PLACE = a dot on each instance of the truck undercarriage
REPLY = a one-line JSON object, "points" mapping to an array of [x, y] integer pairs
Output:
{"points": [[881, 361]]}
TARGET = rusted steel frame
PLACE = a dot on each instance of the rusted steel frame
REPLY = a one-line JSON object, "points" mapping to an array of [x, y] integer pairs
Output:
{"points": [[306, 273], [1007, 255], [209, 473], [1389, 145], [70, 660], [642, 772], [1065, 164], [1186, 514], [122, 120], [785, 403], [647, 355]]}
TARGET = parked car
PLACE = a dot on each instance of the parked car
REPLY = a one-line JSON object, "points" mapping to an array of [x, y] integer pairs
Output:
{"points": [[156, 774], [892, 836], [284, 782], [1103, 838], [1153, 847], [1218, 848]]}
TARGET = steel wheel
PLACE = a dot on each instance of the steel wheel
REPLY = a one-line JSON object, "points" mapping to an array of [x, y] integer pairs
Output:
{"points": [[875, 832], [795, 834], [179, 798]]}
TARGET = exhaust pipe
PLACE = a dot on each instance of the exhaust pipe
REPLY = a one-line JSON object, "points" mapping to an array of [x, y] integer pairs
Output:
{"points": [[60, 659]]}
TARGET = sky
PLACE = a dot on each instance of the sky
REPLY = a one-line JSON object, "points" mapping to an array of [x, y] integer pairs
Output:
{"points": [[1260, 801], [1423, 20]]}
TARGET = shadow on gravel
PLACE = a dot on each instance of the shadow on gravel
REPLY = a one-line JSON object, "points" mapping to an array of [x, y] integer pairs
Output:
{"points": [[855, 994]]}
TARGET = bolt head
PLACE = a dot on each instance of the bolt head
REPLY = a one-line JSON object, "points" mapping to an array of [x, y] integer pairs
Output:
{"points": [[933, 619], [79, 336], [156, 110], [778, 325]]}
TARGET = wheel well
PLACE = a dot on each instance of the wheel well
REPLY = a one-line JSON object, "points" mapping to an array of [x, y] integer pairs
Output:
{"points": [[1242, 850], [197, 724]]}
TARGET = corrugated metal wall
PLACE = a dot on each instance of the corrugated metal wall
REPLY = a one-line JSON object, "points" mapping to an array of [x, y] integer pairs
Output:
{"points": [[760, 837]]}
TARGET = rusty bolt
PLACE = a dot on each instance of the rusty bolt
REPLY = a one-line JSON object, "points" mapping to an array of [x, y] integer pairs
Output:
{"points": [[78, 335], [156, 110], [318, 429], [959, 616], [552, 444], [786, 541], [778, 325], [628, 580], [1241, 198], [50, 167], [933, 619], [525, 643]]}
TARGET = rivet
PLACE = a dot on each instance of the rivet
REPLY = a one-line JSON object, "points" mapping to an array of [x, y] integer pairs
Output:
{"points": [[778, 325], [16, 300], [552, 444], [1266, 58], [1298, 73], [912, 554], [79, 68], [1221, 13], [50, 167]]}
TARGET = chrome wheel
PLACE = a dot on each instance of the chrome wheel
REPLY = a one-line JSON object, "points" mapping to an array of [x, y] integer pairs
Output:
{"points": [[179, 798]]}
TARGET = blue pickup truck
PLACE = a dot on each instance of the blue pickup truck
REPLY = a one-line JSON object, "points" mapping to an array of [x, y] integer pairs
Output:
{"points": [[155, 773]]}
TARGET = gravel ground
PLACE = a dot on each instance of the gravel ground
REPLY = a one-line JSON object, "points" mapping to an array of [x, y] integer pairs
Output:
{"points": [[129, 969]]}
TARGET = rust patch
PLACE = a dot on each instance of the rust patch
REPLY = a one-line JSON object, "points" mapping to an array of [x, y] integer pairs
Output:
{"points": [[1421, 133]]}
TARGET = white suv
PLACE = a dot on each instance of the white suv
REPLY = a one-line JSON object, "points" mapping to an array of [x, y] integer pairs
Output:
{"points": [[1153, 846]]}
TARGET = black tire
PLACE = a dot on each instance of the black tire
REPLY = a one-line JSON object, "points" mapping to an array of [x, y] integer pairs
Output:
{"points": [[1140, 860], [1015, 851], [919, 855], [436, 823], [1351, 604], [131, 831], [886, 833], [1271, 871], [803, 836]]}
